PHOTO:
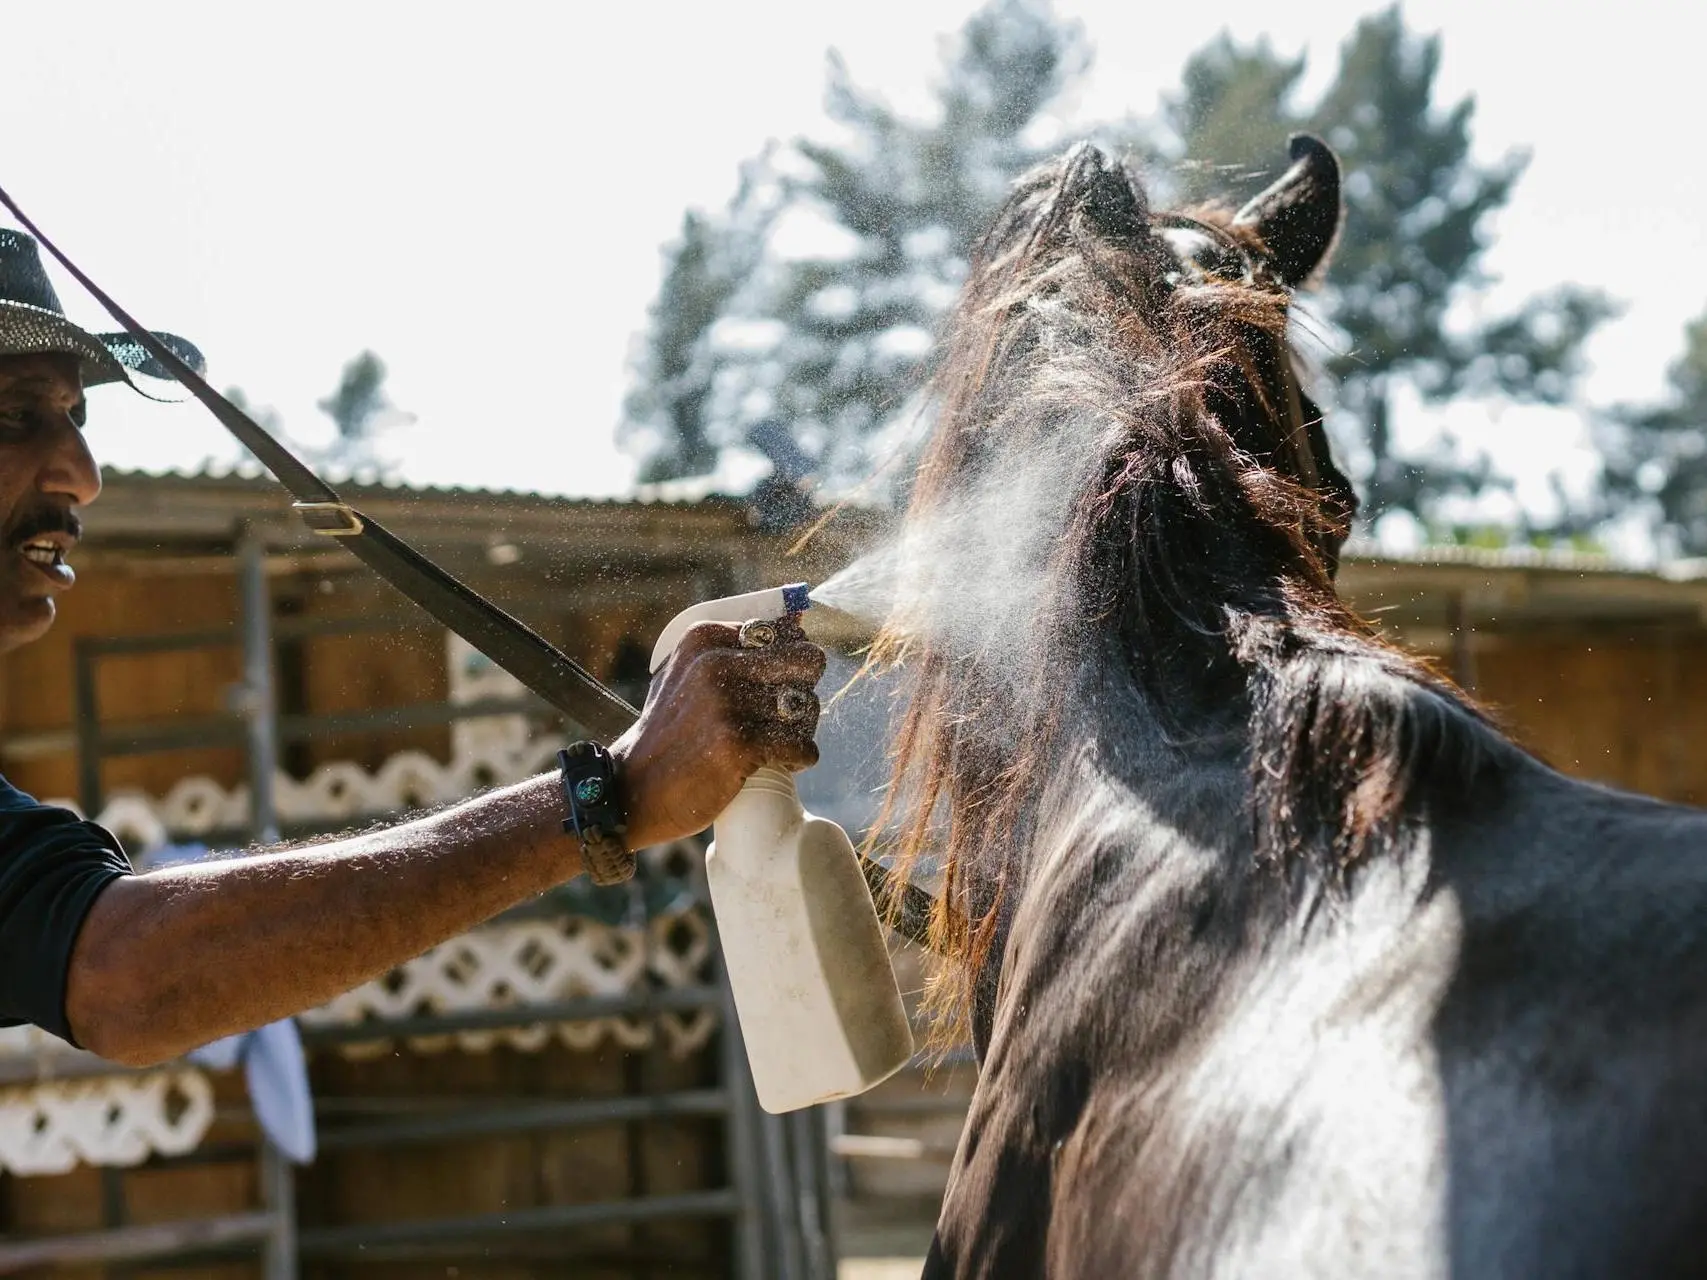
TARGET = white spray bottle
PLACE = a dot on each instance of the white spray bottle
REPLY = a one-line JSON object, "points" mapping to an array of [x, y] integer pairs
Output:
{"points": [[806, 957]]}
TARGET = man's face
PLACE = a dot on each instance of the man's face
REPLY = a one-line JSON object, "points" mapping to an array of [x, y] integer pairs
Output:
{"points": [[46, 473]]}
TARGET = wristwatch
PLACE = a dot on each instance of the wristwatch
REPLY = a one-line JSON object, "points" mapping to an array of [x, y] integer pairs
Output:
{"points": [[596, 815]]}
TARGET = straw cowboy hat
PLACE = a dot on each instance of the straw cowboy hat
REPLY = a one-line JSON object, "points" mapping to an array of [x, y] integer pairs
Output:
{"points": [[32, 321]]}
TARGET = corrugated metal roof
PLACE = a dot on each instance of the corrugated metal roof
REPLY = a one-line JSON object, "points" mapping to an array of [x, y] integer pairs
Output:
{"points": [[249, 474], [701, 492]]}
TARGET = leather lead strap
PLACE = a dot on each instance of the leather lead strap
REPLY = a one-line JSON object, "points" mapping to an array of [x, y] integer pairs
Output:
{"points": [[512, 644]]}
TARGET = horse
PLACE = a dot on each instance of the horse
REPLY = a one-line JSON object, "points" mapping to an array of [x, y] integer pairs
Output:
{"points": [[1279, 957]]}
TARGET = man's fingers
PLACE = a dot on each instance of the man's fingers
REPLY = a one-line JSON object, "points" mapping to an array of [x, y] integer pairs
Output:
{"points": [[767, 691], [703, 637], [781, 747], [776, 724], [794, 708], [799, 662], [791, 662]]}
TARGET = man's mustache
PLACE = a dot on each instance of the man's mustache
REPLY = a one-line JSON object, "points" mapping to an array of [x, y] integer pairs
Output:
{"points": [[46, 520]]}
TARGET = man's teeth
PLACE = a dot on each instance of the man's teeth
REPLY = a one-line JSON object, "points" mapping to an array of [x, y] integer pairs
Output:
{"points": [[40, 552]]}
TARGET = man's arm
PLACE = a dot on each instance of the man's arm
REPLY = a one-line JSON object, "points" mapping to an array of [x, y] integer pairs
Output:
{"points": [[175, 958]]}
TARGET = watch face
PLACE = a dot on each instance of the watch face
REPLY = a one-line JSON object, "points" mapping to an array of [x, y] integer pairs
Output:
{"points": [[590, 790]]}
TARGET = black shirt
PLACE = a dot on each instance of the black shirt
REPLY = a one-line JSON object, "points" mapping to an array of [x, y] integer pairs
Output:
{"points": [[52, 868]]}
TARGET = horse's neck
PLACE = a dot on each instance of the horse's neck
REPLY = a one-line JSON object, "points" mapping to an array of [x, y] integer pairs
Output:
{"points": [[1150, 820], [1128, 806], [1163, 775]]}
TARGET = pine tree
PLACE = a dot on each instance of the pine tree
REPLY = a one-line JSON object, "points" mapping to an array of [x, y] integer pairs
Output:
{"points": [[1417, 213], [913, 194], [1231, 119], [1418, 208], [359, 397], [1657, 456], [264, 415], [668, 415], [360, 408], [833, 341]]}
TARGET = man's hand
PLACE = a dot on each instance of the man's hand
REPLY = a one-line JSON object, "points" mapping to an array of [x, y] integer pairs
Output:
{"points": [[711, 719]]}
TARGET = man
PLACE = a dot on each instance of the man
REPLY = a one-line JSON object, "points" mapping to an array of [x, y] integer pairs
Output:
{"points": [[141, 968]]}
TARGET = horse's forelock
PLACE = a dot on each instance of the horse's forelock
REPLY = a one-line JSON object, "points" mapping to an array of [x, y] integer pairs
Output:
{"points": [[1084, 183]]}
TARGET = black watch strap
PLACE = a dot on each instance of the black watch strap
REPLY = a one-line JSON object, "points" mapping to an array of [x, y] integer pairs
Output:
{"points": [[594, 800]]}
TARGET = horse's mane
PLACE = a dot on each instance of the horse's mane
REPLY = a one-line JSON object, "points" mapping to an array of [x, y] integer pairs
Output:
{"points": [[1081, 361]]}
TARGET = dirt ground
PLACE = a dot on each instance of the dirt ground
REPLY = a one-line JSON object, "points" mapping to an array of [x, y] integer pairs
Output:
{"points": [[886, 1242], [880, 1268]]}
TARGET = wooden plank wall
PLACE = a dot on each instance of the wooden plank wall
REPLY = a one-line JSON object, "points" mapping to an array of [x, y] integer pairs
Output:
{"points": [[359, 671], [451, 1179], [364, 670], [83, 1199], [493, 1175], [38, 679], [1627, 708]]}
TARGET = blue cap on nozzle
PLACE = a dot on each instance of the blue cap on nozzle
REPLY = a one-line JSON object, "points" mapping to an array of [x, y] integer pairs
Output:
{"points": [[797, 597]]}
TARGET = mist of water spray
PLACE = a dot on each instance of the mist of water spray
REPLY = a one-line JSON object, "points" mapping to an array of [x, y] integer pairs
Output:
{"points": [[864, 589], [976, 575]]}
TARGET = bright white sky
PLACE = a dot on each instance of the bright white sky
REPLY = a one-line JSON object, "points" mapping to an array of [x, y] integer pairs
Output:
{"points": [[479, 193]]}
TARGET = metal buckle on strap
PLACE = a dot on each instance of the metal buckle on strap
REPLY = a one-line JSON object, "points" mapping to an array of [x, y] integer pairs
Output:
{"points": [[334, 519]]}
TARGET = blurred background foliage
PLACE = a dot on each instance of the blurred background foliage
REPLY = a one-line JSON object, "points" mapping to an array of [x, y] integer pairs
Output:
{"points": [[797, 321]]}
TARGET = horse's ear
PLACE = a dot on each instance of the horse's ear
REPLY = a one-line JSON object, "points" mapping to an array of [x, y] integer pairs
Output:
{"points": [[1299, 215]]}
